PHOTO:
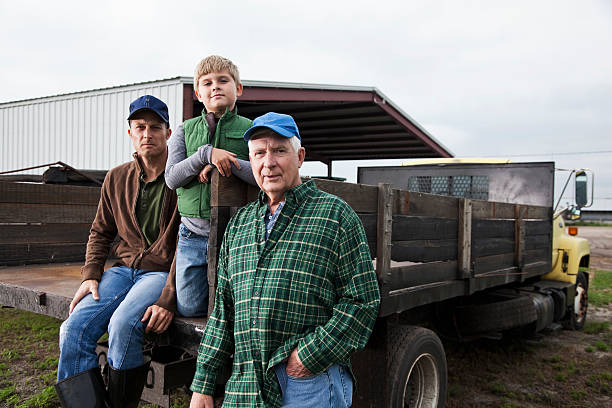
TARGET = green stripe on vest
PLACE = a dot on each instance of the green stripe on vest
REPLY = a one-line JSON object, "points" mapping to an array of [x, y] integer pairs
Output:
{"points": [[194, 198]]}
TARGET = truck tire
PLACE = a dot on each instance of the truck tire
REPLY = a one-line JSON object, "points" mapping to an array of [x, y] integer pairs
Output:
{"points": [[496, 315], [417, 368], [578, 313]]}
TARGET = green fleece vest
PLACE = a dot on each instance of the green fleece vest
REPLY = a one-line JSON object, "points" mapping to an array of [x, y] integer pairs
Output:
{"points": [[194, 198]]}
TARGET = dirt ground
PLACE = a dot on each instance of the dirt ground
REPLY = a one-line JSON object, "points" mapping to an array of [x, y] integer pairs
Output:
{"points": [[557, 369]]}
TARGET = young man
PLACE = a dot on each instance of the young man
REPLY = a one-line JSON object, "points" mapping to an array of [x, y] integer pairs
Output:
{"points": [[297, 293], [136, 295], [214, 138]]}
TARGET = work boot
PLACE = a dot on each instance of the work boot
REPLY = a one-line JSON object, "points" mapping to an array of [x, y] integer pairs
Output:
{"points": [[83, 390], [125, 386]]}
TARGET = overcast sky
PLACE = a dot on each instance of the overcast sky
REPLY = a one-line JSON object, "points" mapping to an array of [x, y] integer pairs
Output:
{"points": [[485, 78]]}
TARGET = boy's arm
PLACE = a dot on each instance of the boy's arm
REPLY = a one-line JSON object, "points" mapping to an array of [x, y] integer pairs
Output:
{"points": [[244, 173], [181, 169]]}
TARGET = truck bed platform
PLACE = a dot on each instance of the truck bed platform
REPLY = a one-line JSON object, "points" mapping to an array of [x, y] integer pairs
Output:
{"points": [[48, 289]]}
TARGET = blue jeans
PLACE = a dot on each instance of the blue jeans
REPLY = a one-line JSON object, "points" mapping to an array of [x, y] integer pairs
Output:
{"points": [[125, 294], [333, 388], [191, 273]]}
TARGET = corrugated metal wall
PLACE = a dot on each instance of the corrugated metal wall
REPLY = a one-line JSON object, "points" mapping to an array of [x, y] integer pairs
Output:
{"points": [[87, 130]]}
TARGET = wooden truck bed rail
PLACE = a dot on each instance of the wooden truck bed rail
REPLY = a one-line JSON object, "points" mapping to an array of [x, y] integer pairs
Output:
{"points": [[426, 247]]}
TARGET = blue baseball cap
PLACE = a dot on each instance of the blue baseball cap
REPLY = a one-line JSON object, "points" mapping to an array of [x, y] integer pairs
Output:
{"points": [[282, 124], [149, 102]]}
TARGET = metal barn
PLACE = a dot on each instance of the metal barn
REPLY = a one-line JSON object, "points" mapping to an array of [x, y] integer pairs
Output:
{"points": [[88, 130]]}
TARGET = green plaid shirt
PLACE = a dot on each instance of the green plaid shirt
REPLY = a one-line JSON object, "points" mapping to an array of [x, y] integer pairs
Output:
{"points": [[310, 285]]}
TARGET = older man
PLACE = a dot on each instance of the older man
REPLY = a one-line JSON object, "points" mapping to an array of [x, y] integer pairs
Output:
{"points": [[297, 294], [136, 295]]}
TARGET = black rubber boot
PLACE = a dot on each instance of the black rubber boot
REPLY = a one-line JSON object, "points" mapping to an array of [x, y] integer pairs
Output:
{"points": [[125, 386], [83, 390]]}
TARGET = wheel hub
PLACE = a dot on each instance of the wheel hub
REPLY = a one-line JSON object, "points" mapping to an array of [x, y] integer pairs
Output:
{"points": [[422, 385]]}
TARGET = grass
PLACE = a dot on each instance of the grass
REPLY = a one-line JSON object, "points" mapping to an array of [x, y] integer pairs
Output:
{"points": [[596, 327], [600, 288], [28, 359]]}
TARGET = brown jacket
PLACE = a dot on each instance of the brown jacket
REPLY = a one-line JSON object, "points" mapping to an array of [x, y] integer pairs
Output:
{"points": [[116, 217]]}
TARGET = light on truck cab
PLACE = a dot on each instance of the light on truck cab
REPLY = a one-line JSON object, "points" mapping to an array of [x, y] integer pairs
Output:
{"points": [[572, 231]]}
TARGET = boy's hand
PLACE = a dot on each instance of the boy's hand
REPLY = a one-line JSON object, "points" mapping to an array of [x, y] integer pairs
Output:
{"points": [[203, 177], [222, 160]]}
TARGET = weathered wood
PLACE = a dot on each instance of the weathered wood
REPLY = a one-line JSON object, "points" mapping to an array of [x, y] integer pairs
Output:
{"points": [[488, 209], [21, 178], [486, 264], [497, 228], [219, 217], [230, 191], [423, 204], [360, 197], [46, 213], [48, 194], [407, 227], [16, 254], [51, 233], [424, 250], [464, 238], [405, 299], [62, 175], [519, 238], [383, 236], [421, 274]]}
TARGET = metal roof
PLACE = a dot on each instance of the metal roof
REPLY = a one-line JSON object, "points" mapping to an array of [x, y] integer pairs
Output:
{"points": [[336, 122], [341, 122]]}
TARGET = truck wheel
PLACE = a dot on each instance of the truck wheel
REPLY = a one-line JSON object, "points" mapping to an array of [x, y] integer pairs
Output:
{"points": [[417, 368], [578, 313]]}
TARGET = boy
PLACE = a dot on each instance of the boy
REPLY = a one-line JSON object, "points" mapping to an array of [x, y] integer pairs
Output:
{"points": [[212, 139]]}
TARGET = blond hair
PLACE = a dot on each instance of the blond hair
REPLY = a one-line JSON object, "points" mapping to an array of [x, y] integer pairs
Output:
{"points": [[215, 63]]}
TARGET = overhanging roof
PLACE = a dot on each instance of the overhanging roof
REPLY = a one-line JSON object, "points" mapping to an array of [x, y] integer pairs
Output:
{"points": [[340, 122]]}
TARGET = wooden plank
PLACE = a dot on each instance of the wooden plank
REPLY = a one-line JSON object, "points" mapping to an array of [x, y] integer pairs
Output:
{"points": [[485, 264], [48, 194], [492, 228], [538, 241], [488, 209], [15, 254], [227, 191], [219, 217], [495, 246], [407, 227], [405, 299], [421, 274], [362, 198], [498, 228], [424, 250], [490, 263], [464, 238], [52, 233], [383, 236], [432, 205], [492, 246], [519, 237], [533, 227], [47, 213]]}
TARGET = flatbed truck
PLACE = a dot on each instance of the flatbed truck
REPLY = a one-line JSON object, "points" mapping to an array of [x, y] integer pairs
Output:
{"points": [[446, 266]]}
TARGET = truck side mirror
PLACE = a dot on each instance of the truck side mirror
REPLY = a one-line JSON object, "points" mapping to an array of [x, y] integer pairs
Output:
{"points": [[581, 188]]}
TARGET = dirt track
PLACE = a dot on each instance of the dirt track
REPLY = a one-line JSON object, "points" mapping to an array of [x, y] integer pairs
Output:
{"points": [[600, 239]]}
